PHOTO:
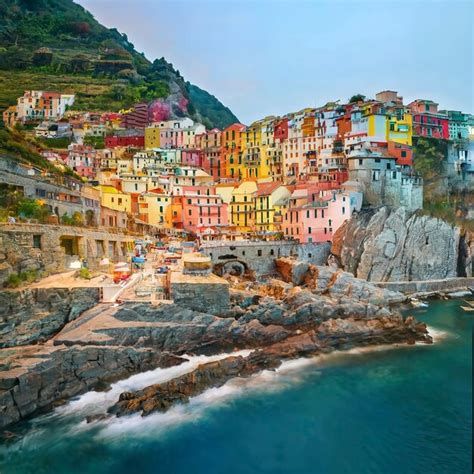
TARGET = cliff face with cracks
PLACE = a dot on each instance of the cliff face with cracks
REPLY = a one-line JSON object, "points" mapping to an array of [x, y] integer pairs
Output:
{"points": [[395, 245]]}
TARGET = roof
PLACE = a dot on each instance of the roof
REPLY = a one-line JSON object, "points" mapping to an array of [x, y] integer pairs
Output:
{"points": [[299, 193], [108, 189], [265, 189]]}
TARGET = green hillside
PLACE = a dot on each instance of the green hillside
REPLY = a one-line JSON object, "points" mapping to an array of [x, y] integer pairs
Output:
{"points": [[57, 44]]}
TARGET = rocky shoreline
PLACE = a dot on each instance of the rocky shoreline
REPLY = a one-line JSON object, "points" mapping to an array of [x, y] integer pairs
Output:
{"points": [[308, 310]]}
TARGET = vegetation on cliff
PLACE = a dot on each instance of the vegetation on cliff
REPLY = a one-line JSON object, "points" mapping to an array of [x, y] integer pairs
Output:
{"points": [[58, 45]]}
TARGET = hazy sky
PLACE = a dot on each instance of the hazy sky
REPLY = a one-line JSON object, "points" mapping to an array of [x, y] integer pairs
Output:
{"points": [[270, 57]]}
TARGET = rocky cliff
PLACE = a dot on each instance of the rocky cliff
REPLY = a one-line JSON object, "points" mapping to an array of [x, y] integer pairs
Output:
{"points": [[395, 245], [33, 315], [277, 320]]}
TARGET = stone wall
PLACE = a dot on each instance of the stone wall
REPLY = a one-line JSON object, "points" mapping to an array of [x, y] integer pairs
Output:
{"points": [[430, 286], [260, 256], [31, 315], [208, 294], [26, 247]]}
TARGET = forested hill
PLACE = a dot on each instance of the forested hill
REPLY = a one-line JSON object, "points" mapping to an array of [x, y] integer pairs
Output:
{"points": [[57, 44]]}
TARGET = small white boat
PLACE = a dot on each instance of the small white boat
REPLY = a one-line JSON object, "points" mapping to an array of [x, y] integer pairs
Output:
{"points": [[418, 304], [470, 303], [468, 309]]}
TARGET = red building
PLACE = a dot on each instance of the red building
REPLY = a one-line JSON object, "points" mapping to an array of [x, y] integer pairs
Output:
{"points": [[137, 117], [134, 139], [403, 153], [280, 131], [427, 122]]}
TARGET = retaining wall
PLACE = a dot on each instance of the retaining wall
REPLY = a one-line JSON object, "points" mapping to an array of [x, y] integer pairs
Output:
{"points": [[260, 256], [428, 286]]}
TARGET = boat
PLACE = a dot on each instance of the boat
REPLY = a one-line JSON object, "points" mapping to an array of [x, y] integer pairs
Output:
{"points": [[470, 303], [468, 309], [418, 304]]}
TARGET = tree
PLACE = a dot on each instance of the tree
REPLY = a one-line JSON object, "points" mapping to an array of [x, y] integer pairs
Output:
{"points": [[356, 98], [77, 219], [428, 157], [90, 218]]}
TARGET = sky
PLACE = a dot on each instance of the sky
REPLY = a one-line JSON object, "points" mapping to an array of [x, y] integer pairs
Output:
{"points": [[271, 57]]}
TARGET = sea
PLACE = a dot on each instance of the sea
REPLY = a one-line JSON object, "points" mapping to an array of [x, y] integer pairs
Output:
{"points": [[383, 410]]}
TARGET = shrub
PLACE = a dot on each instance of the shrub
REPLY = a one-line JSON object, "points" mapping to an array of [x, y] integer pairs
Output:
{"points": [[85, 274], [13, 281], [29, 276]]}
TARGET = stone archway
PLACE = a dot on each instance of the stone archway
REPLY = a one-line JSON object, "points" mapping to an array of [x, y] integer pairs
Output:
{"points": [[231, 267]]}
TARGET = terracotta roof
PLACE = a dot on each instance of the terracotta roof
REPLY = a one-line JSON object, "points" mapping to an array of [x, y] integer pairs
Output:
{"points": [[265, 189]]}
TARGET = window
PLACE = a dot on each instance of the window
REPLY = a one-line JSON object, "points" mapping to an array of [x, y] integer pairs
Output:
{"points": [[36, 241], [309, 230], [259, 253], [360, 162], [403, 154]]}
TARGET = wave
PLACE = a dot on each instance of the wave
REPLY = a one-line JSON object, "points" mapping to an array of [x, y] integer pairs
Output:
{"points": [[438, 335], [289, 374], [97, 402]]}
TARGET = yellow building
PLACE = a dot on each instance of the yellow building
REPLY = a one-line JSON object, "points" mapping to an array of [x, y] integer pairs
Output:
{"points": [[400, 128], [152, 137], [114, 199], [152, 207], [251, 155], [242, 208], [225, 190], [268, 201]]}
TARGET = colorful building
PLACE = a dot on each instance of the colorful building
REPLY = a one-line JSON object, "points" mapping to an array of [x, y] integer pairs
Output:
{"points": [[266, 199], [427, 122], [153, 207], [114, 199], [199, 210], [233, 146], [242, 210]]}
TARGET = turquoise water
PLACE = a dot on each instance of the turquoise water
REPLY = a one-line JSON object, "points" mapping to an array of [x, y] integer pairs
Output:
{"points": [[404, 410]]}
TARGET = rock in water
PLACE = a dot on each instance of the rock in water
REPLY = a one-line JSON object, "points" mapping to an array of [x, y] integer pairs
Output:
{"points": [[161, 397]]}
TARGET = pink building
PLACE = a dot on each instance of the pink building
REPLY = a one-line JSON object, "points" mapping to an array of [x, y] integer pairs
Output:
{"points": [[82, 159], [202, 210], [191, 157], [210, 145], [313, 215]]}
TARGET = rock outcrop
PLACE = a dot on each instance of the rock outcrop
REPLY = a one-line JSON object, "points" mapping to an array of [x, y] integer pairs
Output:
{"points": [[330, 335], [395, 245], [44, 376], [32, 315]]}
